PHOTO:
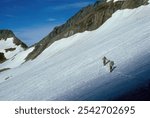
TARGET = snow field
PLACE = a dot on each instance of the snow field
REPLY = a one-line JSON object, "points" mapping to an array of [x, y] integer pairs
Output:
{"points": [[72, 69]]}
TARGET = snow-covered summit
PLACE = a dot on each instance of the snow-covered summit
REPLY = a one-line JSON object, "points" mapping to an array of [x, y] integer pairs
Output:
{"points": [[114, 0]]}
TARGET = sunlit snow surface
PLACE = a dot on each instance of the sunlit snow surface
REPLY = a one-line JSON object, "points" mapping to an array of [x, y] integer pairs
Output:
{"points": [[72, 69], [115, 0]]}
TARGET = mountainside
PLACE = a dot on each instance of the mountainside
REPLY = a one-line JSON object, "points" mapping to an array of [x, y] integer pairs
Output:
{"points": [[72, 68], [87, 19], [10, 45]]}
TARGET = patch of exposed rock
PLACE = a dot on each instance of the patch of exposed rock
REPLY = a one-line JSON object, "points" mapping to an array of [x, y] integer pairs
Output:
{"points": [[2, 57]]}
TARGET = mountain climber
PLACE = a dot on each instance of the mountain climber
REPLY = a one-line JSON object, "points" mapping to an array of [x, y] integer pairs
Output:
{"points": [[105, 60], [111, 63], [111, 66]]}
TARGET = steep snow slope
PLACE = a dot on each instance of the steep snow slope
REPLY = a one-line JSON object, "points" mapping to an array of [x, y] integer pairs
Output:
{"points": [[72, 69]]}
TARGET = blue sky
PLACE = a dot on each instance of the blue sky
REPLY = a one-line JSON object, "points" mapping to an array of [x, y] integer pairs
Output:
{"points": [[31, 20]]}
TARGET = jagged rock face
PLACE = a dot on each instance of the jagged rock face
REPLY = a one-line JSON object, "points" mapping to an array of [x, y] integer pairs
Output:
{"points": [[88, 18], [4, 34], [2, 57], [133, 3]]}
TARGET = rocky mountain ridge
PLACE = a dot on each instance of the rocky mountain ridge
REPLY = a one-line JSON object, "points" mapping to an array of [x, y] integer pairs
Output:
{"points": [[87, 19]]}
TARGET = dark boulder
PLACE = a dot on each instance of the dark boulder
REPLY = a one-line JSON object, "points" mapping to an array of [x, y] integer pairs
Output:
{"points": [[2, 57]]}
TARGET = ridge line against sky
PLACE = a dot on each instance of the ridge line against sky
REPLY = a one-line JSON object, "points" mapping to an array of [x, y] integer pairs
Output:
{"points": [[32, 20]]}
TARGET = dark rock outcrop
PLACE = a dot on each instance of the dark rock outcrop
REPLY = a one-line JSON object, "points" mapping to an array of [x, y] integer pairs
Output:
{"points": [[133, 3], [4, 34], [4, 69], [2, 57], [88, 18], [10, 49]]}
